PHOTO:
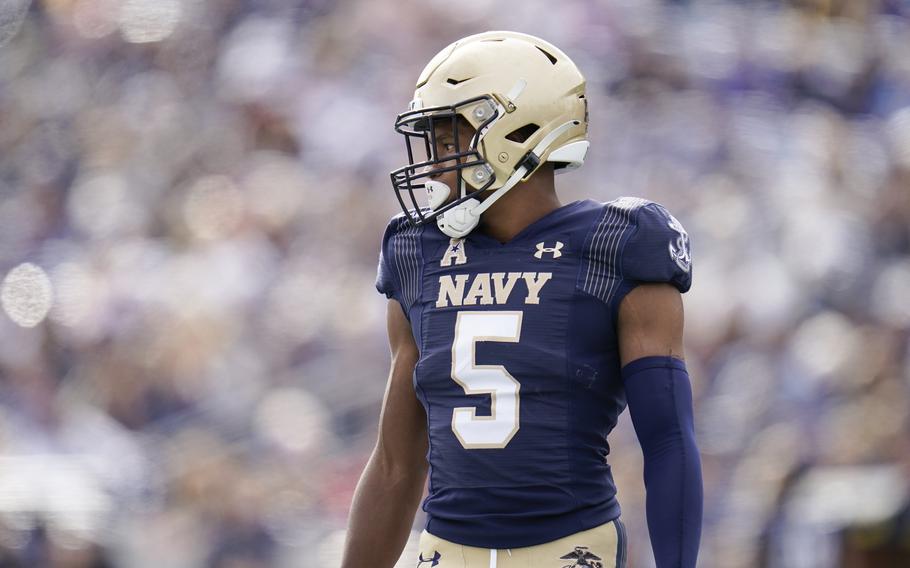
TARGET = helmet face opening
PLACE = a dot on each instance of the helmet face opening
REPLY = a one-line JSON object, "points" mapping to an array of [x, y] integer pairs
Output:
{"points": [[427, 158]]}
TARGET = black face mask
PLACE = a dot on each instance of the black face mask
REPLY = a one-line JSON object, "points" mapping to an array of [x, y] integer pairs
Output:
{"points": [[419, 129]]}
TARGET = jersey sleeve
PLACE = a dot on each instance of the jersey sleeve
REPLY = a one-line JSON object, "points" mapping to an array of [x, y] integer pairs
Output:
{"points": [[386, 282], [657, 250], [400, 260], [633, 241], [386, 278]]}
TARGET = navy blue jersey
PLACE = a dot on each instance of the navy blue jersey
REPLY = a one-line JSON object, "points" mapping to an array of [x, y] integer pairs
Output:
{"points": [[519, 369]]}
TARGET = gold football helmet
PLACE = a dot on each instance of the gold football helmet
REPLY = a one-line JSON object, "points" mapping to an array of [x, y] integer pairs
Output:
{"points": [[524, 99]]}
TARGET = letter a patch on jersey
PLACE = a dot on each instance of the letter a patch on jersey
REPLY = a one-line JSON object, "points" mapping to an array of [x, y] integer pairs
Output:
{"points": [[455, 252]]}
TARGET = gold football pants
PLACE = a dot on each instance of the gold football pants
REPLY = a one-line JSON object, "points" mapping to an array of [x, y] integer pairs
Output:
{"points": [[601, 547]]}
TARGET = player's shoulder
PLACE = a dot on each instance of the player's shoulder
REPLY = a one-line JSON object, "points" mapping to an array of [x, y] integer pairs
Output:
{"points": [[635, 240], [623, 213], [634, 208], [658, 248], [636, 215], [401, 225], [397, 223], [577, 218], [401, 238], [401, 235], [613, 222], [626, 203], [400, 257]]}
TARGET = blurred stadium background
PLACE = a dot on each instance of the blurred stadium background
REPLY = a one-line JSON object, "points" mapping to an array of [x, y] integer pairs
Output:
{"points": [[192, 193]]}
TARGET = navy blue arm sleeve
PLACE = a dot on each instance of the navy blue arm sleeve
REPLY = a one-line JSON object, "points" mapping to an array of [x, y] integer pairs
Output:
{"points": [[659, 396]]}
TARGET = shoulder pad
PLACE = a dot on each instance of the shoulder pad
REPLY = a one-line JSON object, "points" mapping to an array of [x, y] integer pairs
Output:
{"points": [[658, 250], [398, 273], [634, 240]]}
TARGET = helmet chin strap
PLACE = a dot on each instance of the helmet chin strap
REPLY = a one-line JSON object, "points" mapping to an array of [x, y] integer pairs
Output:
{"points": [[457, 221], [463, 218]]}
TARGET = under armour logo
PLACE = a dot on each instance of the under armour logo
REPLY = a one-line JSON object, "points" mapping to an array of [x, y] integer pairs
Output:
{"points": [[556, 251], [434, 559]]}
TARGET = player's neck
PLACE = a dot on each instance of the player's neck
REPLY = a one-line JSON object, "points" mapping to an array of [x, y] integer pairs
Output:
{"points": [[519, 207]]}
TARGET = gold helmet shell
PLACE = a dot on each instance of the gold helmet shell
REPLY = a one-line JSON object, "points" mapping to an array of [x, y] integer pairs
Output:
{"points": [[523, 96]]}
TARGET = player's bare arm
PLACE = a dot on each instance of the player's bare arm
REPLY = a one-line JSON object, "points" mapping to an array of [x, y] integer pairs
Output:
{"points": [[651, 323], [392, 483], [660, 401]]}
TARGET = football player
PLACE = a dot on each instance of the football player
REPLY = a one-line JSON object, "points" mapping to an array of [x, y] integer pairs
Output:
{"points": [[520, 329]]}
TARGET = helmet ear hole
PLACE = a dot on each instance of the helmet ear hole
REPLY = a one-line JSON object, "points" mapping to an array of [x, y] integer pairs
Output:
{"points": [[521, 134]]}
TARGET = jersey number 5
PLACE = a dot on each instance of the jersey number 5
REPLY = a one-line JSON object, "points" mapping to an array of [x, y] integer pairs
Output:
{"points": [[496, 430]]}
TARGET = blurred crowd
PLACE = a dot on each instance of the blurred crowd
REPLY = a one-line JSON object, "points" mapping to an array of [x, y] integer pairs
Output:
{"points": [[192, 193]]}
